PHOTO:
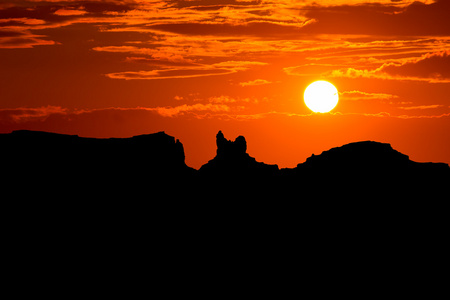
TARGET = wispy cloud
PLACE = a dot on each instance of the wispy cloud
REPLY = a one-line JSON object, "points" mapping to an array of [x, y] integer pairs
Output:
{"points": [[24, 114], [177, 110], [421, 107], [445, 115], [359, 95], [254, 82], [17, 33], [414, 19], [222, 68], [70, 12], [430, 67]]}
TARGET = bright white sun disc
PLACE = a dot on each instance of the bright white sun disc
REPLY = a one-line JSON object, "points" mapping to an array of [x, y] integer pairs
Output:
{"points": [[321, 96]]}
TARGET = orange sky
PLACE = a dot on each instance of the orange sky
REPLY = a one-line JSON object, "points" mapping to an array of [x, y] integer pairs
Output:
{"points": [[191, 68]]}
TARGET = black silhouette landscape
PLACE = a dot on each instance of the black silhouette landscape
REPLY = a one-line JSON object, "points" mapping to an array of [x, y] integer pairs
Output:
{"points": [[136, 196], [58, 161]]}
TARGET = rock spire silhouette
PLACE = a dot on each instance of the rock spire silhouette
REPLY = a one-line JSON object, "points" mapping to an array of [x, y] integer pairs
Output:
{"points": [[233, 161]]}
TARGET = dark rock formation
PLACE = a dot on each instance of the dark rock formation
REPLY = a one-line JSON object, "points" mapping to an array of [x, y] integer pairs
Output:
{"points": [[232, 162], [366, 157], [52, 159], [229, 148], [368, 166], [43, 161], [358, 155]]}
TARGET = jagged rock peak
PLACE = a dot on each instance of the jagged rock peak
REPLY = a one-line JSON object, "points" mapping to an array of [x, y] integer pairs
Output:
{"points": [[232, 162], [226, 147]]}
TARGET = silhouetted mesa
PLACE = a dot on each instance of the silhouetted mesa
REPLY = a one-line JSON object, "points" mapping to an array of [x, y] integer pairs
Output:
{"points": [[68, 159]]}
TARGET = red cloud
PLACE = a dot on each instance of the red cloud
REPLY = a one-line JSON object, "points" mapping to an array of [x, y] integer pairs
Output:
{"points": [[417, 19], [222, 68], [21, 114], [254, 82], [432, 66], [70, 12]]}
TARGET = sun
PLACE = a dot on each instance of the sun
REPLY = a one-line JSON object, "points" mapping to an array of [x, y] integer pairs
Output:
{"points": [[321, 96]]}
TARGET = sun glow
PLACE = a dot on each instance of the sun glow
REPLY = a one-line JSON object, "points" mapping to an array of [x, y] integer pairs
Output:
{"points": [[321, 96]]}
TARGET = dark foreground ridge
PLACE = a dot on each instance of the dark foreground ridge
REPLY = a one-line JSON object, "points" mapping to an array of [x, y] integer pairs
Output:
{"points": [[122, 206], [157, 160]]}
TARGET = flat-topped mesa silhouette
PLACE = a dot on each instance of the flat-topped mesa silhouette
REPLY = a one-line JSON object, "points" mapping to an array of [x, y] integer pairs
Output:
{"points": [[52, 157], [233, 161]]}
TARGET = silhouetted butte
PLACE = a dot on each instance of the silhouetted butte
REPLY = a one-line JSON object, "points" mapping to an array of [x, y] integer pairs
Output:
{"points": [[232, 162]]}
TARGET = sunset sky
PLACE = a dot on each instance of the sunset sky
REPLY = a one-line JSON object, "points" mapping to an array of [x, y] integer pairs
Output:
{"points": [[191, 68]]}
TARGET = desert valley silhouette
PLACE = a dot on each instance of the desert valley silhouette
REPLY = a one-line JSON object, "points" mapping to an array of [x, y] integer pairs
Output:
{"points": [[96, 222], [152, 161]]}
